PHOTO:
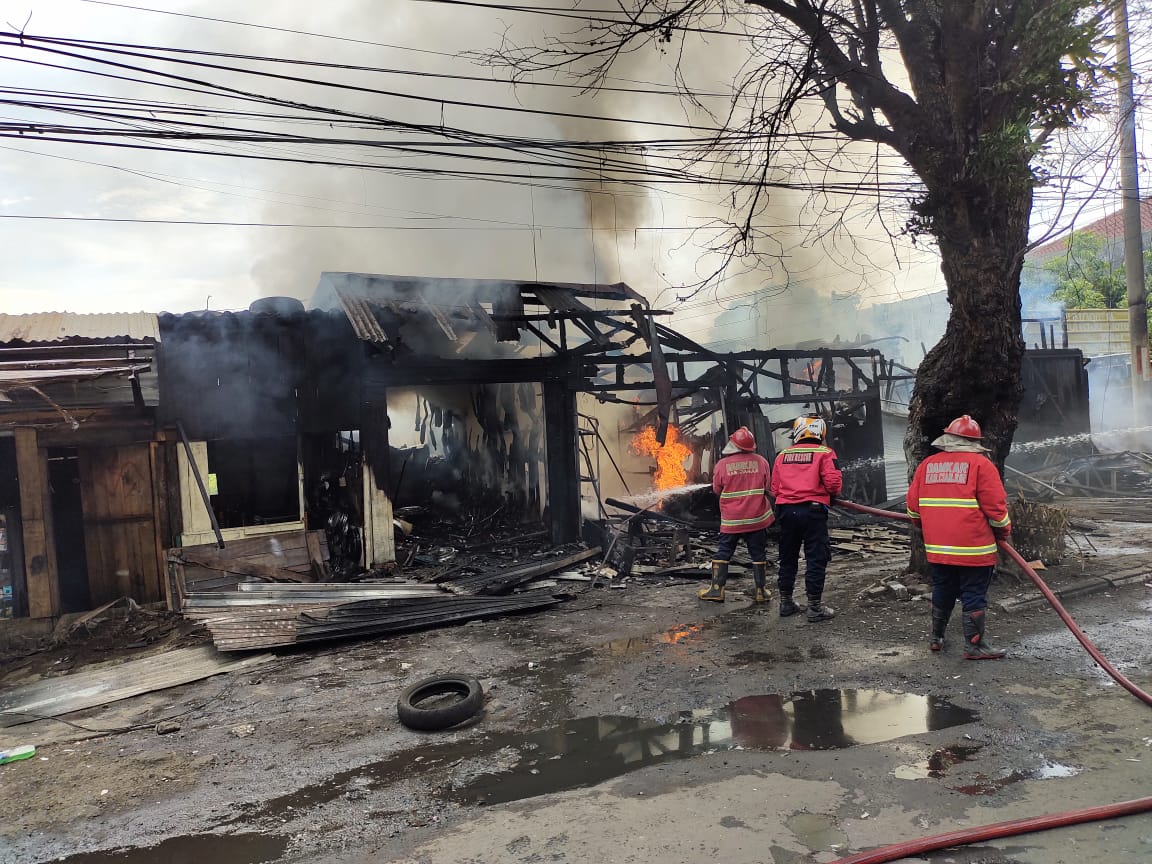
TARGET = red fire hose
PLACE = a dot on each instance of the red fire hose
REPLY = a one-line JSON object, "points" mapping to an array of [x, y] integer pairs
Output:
{"points": [[996, 830], [1013, 827]]}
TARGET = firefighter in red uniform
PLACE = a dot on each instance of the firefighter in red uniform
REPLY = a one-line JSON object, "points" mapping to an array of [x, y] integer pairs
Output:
{"points": [[741, 482], [805, 479], [959, 501]]}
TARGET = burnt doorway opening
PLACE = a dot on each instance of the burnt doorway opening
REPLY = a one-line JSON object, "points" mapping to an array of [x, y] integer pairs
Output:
{"points": [[332, 465], [472, 452], [68, 529]]}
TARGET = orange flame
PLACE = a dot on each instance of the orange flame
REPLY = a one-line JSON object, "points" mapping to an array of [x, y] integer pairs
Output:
{"points": [[670, 470]]}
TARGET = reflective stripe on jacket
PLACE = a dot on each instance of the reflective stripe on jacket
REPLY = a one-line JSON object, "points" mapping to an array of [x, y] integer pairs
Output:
{"points": [[806, 472], [741, 482], [958, 499]]}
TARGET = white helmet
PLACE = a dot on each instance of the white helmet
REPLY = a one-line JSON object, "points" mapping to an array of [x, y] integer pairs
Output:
{"points": [[809, 426]]}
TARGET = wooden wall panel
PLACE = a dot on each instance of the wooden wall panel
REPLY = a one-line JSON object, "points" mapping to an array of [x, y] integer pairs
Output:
{"points": [[120, 529]]}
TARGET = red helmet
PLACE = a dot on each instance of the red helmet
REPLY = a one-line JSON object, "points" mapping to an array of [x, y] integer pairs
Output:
{"points": [[965, 427], [743, 439]]}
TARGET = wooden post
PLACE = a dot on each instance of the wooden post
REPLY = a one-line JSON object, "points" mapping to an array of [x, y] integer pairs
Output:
{"points": [[379, 540], [36, 515], [194, 517]]}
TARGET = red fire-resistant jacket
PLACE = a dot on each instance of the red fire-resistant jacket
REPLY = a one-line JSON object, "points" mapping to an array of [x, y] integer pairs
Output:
{"points": [[806, 472], [958, 499], [741, 482]]}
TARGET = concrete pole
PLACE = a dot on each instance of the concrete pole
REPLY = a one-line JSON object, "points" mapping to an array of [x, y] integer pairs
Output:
{"points": [[1133, 240]]}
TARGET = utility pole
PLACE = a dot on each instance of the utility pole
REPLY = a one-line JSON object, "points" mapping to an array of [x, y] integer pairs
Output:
{"points": [[1133, 239]]}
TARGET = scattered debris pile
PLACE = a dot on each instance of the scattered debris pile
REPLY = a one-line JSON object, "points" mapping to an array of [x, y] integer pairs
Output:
{"points": [[865, 539], [1095, 475], [469, 579], [427, 538], [673, 534], [119, 628], [258, 615], [907, 587]]}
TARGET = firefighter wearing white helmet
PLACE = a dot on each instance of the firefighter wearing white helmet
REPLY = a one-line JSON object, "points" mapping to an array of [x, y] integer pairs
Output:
{"points": [[805, 479]]}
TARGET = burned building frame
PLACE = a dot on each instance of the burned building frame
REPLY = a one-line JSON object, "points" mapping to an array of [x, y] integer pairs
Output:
{"points": [[391, 392]]}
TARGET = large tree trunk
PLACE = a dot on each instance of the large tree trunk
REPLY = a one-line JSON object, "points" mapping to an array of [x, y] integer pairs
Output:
{"points": [[975, 368]]}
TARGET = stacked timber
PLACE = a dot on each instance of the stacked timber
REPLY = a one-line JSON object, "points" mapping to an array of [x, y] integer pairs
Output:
{"points": [[869, 539]]}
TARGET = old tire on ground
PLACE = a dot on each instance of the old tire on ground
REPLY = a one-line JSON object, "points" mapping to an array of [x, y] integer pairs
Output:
{"points": [[440, 716]]}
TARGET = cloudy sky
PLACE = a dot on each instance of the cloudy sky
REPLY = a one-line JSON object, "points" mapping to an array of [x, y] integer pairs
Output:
{"points": [[93, 228]]}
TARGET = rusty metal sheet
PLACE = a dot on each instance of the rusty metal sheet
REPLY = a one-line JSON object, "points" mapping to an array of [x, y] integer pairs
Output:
{"points": [[58, 326]]}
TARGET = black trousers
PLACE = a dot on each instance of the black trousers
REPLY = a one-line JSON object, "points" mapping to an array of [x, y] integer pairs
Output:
{"points": [[803, 525], [969, 585], [757, 545]]}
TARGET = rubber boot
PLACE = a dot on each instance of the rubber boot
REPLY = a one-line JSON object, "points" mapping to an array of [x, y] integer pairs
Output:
{"points": [[975, 648], [715, 591], [817, 611], [788, 606], [939, 626], [760, 578]]}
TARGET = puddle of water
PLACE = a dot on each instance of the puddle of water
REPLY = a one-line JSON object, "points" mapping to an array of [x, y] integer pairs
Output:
{"points": [[193, 849], [819, 833], [589, 750]]}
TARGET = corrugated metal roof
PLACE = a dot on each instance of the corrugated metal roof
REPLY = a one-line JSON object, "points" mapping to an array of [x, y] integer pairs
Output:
{"points": [[61, 326]]}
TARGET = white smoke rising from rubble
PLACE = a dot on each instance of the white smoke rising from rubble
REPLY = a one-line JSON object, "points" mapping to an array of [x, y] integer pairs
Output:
{"points": [[1111, 440]]}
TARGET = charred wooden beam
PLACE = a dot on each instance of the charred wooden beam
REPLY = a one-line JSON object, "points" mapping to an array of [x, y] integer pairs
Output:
{"points": [[563, 478]]}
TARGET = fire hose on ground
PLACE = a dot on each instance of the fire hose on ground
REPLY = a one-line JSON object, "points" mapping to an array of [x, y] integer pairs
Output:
{"points": [[1032, 824]]}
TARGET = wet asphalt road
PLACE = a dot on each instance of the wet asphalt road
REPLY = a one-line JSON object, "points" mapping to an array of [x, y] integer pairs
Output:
{"points": [[632, 726]]}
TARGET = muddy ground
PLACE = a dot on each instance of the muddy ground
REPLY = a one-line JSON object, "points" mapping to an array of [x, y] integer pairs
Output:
{"points": [[626, 725]]}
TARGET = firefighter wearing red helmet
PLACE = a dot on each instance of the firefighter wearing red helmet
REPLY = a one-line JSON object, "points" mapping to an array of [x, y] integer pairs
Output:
{"points": [[959, 501], [740, 480], [805, 479]]}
